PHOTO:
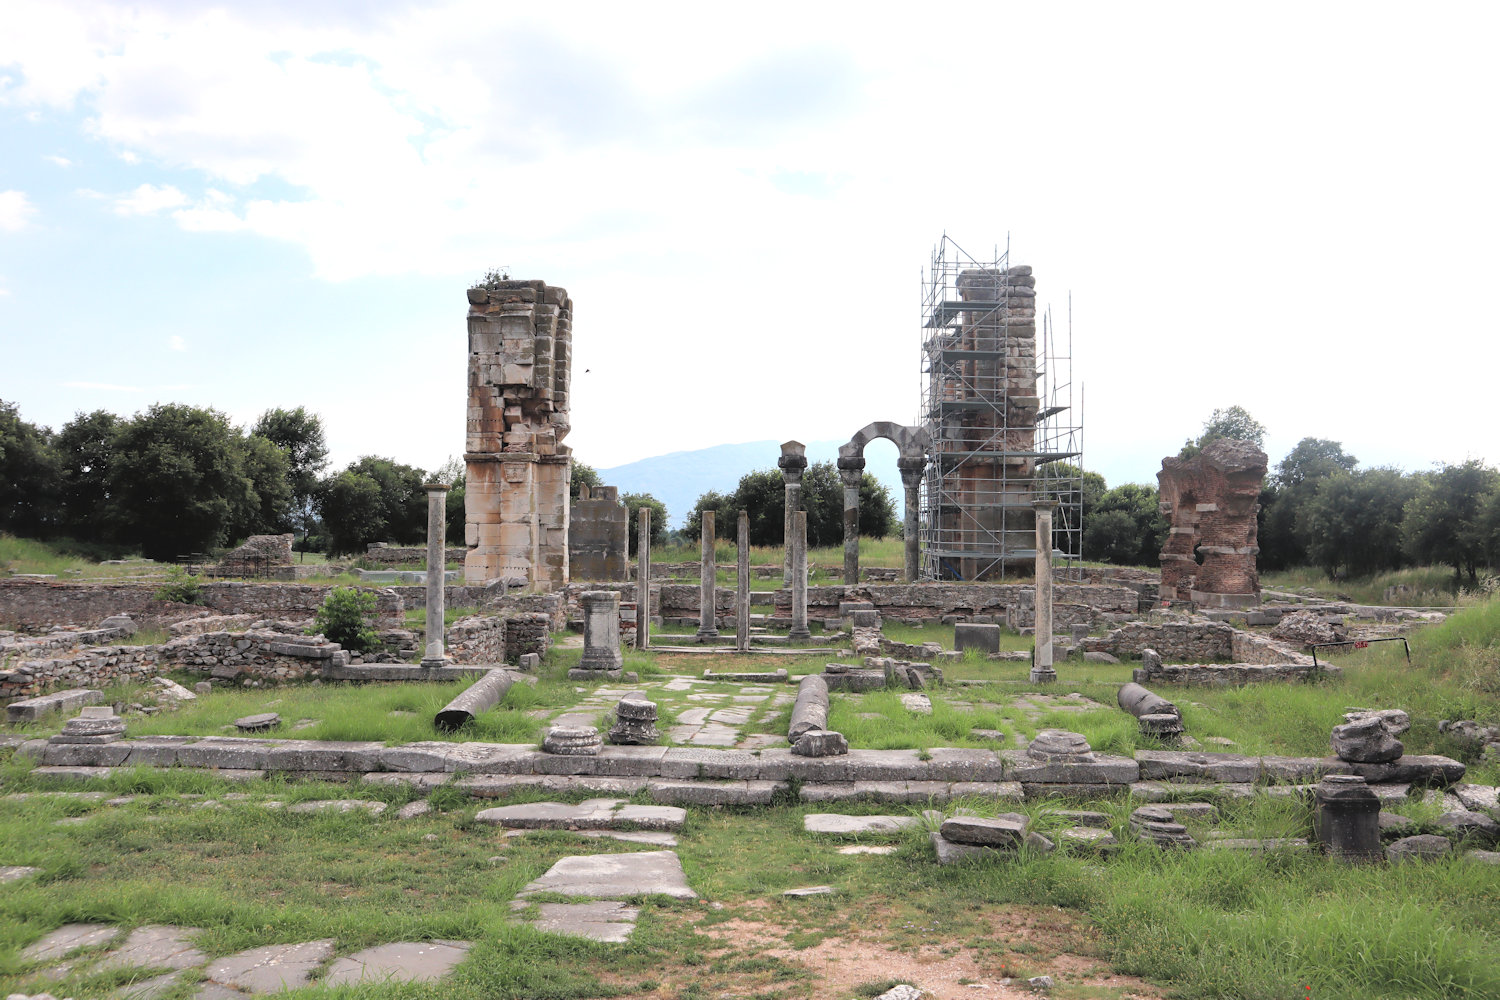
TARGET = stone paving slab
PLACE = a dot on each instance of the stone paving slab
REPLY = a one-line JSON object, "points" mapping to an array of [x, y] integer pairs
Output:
{"points": [[272, 968], [67, 939], [148, 989], [14, 873], [606, 921], [615, 876], [840, 825], [653, 837], [339, 805], [591, 814], [156, 946], [713, 793], [401, 962]]}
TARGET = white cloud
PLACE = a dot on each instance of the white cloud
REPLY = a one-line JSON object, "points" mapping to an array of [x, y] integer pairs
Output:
{"points": [[176, 343], [149, 199], [16, 210], [61, 161]]}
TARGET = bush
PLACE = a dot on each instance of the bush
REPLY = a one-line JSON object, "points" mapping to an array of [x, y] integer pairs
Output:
{"points": [[345, 618], [180, 588]]}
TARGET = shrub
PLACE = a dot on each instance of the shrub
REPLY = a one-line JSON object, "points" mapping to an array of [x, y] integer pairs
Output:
{"points": [[180, 588], [345, 618]]}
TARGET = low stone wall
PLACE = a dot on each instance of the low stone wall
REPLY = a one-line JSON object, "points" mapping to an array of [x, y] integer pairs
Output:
{"points": [[479, 639], [1194, 642], [402, 555], [1239, 674], [31, 605], [490, 601], [1072, 603], [18, 647], [1247, 647]]}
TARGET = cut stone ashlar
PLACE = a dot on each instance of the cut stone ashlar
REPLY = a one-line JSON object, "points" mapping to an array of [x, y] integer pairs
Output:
{"points": [[582, 741]]}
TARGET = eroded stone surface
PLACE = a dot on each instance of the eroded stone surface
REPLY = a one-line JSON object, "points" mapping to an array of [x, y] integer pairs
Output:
{"points": [[339, 805], [400, 962], [14, 873], [68, 939], [615, 876], [156, 946], [840, 825], [272, 968], [606, 921]]}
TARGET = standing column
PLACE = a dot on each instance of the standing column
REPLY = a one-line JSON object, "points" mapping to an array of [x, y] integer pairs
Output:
{"points": [[799, 578], [792, 462], [437, 528], [643, 578], [742, 587], [708, 580], [911, 477], [851, 471], [1041, 660]]}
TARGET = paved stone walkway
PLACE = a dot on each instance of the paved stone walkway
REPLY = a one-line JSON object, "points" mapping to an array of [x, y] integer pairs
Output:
{"points": [[604, 880]]}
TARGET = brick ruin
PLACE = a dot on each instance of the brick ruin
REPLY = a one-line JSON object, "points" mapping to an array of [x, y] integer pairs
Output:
{"points": [[516, 494], [1211, 501]]}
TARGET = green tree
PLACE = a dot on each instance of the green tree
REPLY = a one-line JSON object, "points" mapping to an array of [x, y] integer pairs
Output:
{"points": [[29, 472], [267, 508], [1445, 520], [179, 479], [346, 617], [1112, 536], [633, 503], [300, 437], [1233, 422], [1312, 459], [1353, 521], [712, 500], [1104, 534], [1286, 496], [349, 506], [85, 450]]}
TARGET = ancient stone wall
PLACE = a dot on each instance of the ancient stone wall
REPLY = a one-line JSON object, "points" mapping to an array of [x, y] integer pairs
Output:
{"points": [[516, 491], [32, 605], [259, 556], [381, 554], [1211, 501], [1194, 642], [598, 536]]}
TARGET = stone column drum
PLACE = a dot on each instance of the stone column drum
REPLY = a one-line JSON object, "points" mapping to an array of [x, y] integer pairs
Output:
{"points": [[708, 573], [799, 630], [643, 579], [911, 470], [1041, 662], [742, 585], [437, 527], [851, 471], [792, 463], [601, 632]]}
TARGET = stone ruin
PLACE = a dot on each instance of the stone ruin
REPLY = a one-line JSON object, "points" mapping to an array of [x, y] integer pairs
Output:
{"points": [[1211, 501], [516, 496], [257, 557], [598, 535]]}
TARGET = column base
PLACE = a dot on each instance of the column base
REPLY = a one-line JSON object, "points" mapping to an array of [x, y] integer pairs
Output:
{"points": [[435, 662], [799, 634], [1043, 675], [707, 633]]}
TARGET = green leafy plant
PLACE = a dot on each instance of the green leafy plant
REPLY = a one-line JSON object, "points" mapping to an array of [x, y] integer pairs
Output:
{"points": [[345, 617], [180, 588]]}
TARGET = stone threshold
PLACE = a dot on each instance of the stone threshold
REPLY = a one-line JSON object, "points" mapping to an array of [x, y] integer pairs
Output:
{"points": [[1104, 774]]}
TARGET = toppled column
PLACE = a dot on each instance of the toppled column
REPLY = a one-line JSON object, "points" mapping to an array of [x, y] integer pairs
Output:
{"points": [[643, 578], [742, 584], [799, 630], [437, 528], [792, 463], [1211, 501], [1346, 818], [1157, 716], [810, 711], [1041, 660], [708, 575], [851, 471], [516, 487], [601, 636], [478, 698]]}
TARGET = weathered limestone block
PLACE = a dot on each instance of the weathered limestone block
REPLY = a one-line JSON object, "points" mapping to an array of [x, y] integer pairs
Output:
{"points": [[598, 535], [635, 723], [820, 743], [1394, 720], [1365, 741], [581, 741]]}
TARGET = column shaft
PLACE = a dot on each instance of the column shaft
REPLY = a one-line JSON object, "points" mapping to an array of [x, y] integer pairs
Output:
{"points": [[643, 579], [851, 534], [742, 586], [1041, 663], [799, 577], [708, 581], [434, 655]]}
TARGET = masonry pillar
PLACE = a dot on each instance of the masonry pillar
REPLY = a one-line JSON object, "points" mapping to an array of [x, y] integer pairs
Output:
{"points": [[643, 578], [742, 586], [792, 463], [911, 469], [1041, 661], [437, 529], [851, 471], [708, 574], [799, 630], [601, 634]]}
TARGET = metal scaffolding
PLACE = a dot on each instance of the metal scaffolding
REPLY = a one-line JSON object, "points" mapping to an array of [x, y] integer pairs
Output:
{"points": [[997, 398]]}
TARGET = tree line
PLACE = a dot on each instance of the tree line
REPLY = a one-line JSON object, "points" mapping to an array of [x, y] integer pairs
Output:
{"points": [[177, 480], [762, 495]]}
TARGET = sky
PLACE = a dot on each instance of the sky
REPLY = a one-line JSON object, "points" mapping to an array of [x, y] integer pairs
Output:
{"points": [[1289, 207]]}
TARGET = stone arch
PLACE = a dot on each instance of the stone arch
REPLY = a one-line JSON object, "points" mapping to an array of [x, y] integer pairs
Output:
{"points": [[912, 445]]}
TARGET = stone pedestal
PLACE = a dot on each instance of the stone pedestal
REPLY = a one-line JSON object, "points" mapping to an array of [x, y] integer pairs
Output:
{"points": [[1041, 661], [1346, 818], [799, 630], [601, 632], [708, 574], [93, 724], [434, 654], [643, 578], [851, 471], [792, 463], [742, 585]]}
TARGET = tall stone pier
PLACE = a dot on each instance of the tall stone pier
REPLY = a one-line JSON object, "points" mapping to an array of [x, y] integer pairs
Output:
{"points": [[708, 578], [792, 463], [1042, 671], [437, 527], [911, 470], [1211, 501], [799, 630], [516, 491], [851, 471]]}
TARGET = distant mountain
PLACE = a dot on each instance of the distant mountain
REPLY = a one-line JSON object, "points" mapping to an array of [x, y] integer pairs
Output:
{"points": [[679, 478]]}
